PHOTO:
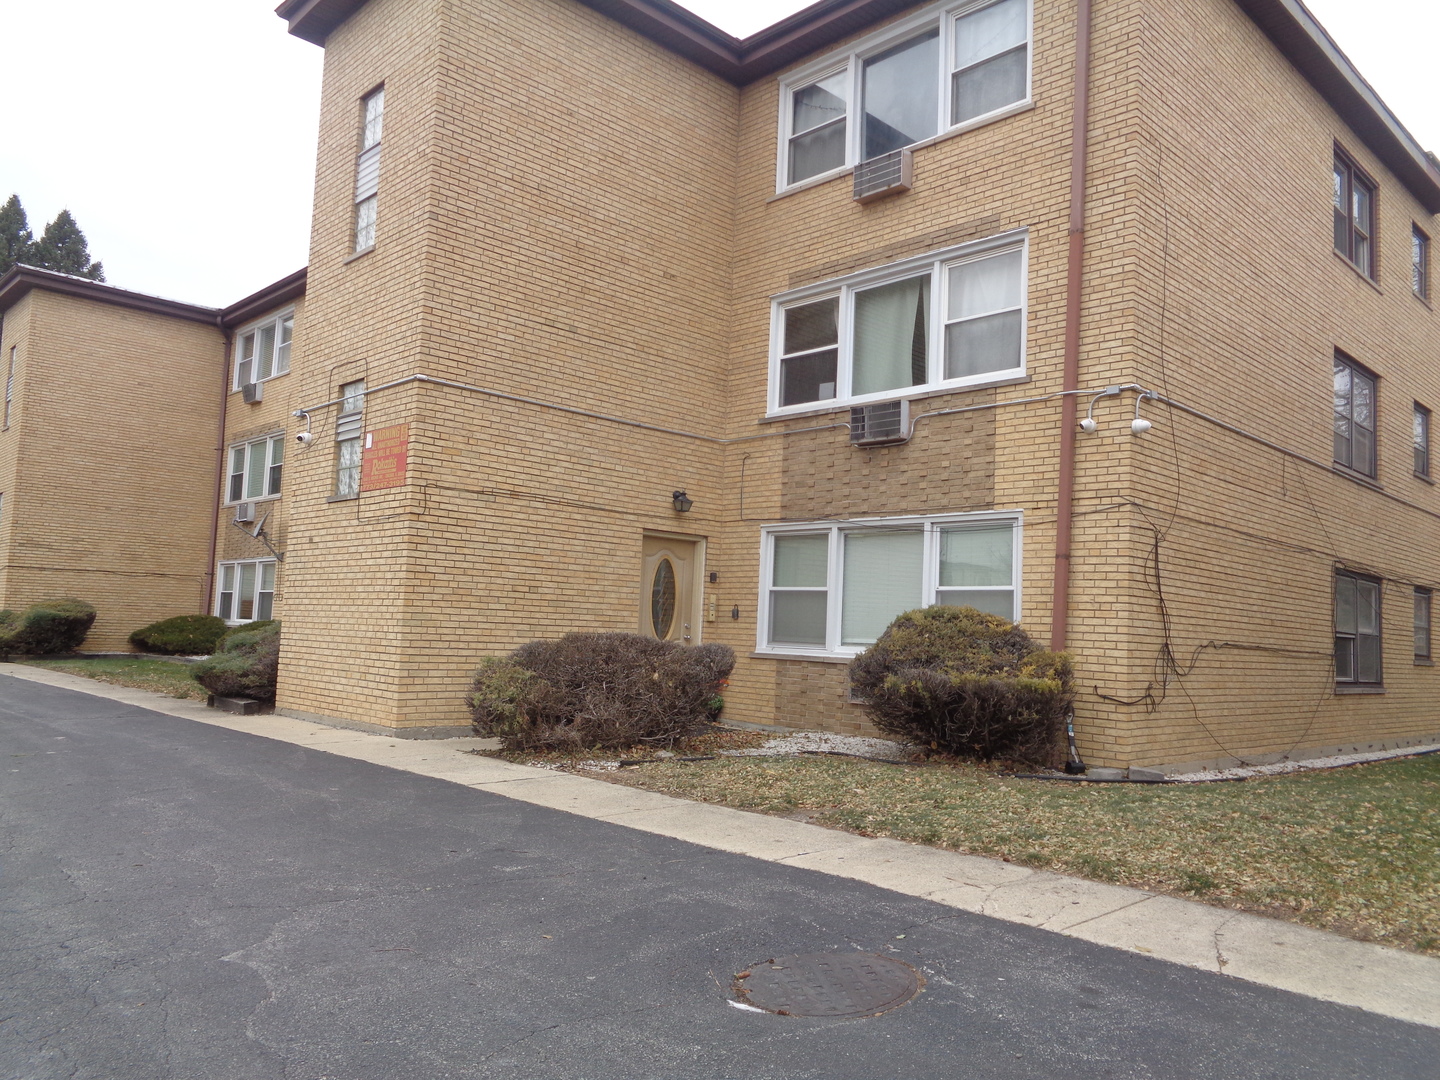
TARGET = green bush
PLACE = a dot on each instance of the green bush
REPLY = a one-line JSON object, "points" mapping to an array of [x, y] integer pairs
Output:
{"points": [[244, 628], [592, 691], [970, 684], [246, 664], [51, 626], [184, 635]]}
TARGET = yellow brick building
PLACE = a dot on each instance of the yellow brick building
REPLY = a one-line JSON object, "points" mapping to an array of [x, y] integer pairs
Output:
{"points": [[616, 322]]}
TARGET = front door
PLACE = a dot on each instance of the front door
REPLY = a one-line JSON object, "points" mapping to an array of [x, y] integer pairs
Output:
{"points": [[669, 588]]}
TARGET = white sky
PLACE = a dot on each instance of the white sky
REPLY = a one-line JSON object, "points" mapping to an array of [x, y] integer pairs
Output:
{"points": [[181, 133]]}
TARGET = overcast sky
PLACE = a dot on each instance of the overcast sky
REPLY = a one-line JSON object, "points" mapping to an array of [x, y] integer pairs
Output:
{"points": [[181, 134]]}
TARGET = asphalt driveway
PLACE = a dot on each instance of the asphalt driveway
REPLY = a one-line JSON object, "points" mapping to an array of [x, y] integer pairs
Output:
{"points": [[183, 901]]}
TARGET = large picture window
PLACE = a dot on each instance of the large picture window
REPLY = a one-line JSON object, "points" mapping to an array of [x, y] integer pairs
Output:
{"points": [[263, 352], [1357, 630], [834, 587], [255, 469], [948, 67], [247, 591], [956, 318]]}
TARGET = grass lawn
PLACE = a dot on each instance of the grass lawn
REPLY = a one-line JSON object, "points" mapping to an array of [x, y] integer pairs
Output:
{"points": [[140, 672], [1354, 850]]}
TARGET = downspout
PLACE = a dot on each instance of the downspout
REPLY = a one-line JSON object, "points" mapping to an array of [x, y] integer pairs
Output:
{"points": [[209, 601], [1074, 278]]}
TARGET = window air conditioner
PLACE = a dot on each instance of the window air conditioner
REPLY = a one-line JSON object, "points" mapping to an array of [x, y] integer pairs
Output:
{"points": [[244, 513], [881, 423], [888, 174], [253, 392]]}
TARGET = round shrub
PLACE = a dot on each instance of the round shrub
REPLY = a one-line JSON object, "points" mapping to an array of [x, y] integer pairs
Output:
{"points": [[51, 626], [246, 665], [244, 628], [968, 683], [593, 691], [184, 635]]}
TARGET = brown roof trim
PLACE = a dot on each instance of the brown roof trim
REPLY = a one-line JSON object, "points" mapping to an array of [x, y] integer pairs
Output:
{"points": [[21, 279], [288, 288], [1287, 23]]}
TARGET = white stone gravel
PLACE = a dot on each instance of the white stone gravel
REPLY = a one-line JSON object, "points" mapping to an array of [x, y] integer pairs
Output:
{"points": [[823, 742], [1309, 764]]}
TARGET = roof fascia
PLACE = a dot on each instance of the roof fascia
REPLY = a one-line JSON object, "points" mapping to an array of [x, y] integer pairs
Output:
{"points": [[282, 292], [21, 280]]}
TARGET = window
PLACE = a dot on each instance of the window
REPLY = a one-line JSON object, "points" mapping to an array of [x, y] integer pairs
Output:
{"points": [[348, 429], [952, 65], [1422, 441], [834, 588], [1357, 629], [247, 591], [1354, 416], [1419, 262], [1354, 215], [1422, 624], [263, 352], [9, 387], [952, 319], [367, 168], [255, 469]]}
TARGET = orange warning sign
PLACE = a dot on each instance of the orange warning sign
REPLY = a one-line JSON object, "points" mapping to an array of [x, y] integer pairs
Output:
{"points": [[386, 453]]}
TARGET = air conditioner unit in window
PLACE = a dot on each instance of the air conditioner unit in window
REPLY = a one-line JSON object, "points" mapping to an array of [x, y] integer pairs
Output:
{"points": [[888, 174], [244, 513], [881, 423], [253, 392]]}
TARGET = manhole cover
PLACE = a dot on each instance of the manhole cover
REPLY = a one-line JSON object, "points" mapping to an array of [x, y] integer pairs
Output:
{"points": [[829, 984]]}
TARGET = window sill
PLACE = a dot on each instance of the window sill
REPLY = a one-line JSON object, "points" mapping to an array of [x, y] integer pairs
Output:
{"points": [[1359, 478], [1350, 689], [1361, 274], [835, 407], [262, 382], [817, 657], [358, 255], [256, 499], [1424, 479], [959, 129], [343, 498], [1419, 662]]}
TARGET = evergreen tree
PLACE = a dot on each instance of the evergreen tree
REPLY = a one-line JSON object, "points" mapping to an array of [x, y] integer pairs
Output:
{"points": [[16, 240], [62, 248]]}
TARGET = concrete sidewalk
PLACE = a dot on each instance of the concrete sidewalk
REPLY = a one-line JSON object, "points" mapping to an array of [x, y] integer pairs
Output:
{"points": [[1320, 965]]}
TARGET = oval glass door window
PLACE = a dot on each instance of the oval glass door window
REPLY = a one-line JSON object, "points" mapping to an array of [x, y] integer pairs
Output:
{"points": [[662, 599]]}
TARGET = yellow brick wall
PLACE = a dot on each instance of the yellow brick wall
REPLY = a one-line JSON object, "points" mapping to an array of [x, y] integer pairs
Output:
{"points": [[109, 466]]}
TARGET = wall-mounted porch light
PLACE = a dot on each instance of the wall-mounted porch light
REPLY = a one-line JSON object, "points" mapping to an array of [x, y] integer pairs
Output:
{"points": [[681, 502]]}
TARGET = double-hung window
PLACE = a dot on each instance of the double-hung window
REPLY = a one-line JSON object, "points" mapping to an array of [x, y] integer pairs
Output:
{"points": [[1354, 215], [834, 587], [1419, 262], [263, 352], [367, 168], [348, 429], [255, 469], [1422, 441], [246, 591], [1357, 629], [1354, 416], [950, 66], [1422, 624], [951, 319]]}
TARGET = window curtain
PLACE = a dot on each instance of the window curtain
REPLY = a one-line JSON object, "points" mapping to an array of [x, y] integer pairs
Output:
{"points": [[891, 336]]}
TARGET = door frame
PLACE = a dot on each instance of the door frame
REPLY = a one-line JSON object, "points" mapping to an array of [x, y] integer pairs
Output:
{"points": [[697, 585]]}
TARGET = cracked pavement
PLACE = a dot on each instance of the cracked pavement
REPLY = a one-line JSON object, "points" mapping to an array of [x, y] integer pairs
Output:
{"points": [[188, 902]]}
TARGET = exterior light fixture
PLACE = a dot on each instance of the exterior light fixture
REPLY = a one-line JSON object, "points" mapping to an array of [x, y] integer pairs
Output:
{"points": [[1140, 425], [681, 502]]}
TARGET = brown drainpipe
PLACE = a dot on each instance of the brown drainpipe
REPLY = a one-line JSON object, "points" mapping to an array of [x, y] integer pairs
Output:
{"points": [[209, 599], [1074, 278]]}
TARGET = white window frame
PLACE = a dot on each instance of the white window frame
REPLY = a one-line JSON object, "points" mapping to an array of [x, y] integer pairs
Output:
{"points": [[834, 585], [278, 321], [276, 439], [220, 590], [852, 59], [935, 263]]}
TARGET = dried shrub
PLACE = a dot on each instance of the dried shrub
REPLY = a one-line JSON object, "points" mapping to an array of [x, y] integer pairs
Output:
{"points": [[967, 683], [51, 626], [184, 635], [598, 690], [246, 665]]}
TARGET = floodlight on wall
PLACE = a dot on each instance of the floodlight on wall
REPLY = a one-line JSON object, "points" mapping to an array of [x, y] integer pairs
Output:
{"points": [[681, 502]]}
